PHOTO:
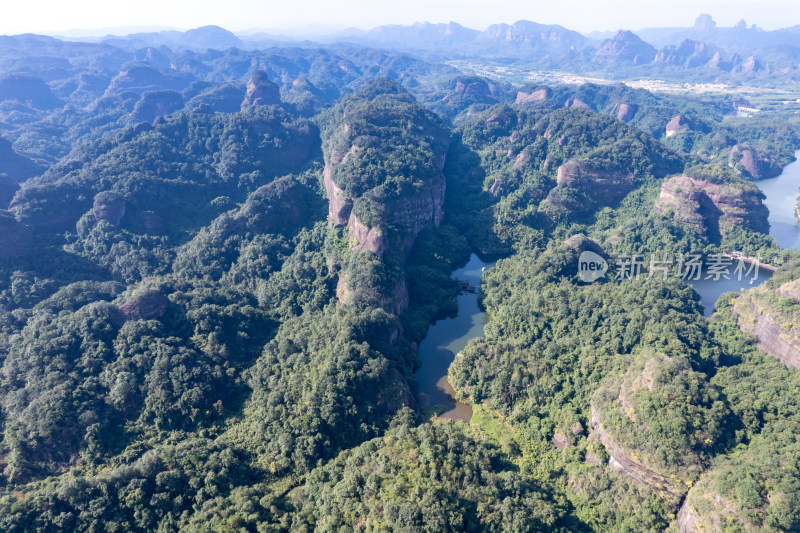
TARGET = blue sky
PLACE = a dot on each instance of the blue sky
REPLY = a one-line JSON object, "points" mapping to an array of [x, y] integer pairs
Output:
{"points": [[53, 16]]}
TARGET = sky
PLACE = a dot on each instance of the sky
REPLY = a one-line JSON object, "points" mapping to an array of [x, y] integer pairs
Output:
{"points": [[56, 16]]}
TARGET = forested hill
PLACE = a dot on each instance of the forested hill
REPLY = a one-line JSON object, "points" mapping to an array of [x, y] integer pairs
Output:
{"points": [[216, 269]]}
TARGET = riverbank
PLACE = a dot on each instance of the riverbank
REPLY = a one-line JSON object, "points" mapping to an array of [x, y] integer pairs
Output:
{"points": [[444, 340]]}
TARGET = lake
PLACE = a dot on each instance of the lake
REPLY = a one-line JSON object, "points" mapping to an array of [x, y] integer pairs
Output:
{"points": [[449, 336], [781, 197], [444, 340]]}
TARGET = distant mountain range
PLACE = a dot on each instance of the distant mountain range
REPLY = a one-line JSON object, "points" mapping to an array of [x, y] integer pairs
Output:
{"points": [[703, 52]]}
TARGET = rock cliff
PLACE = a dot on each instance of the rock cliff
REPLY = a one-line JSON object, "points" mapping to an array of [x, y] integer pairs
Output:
{"points": [[752, 163], [144, 304], [623, 461], [604, 185], [624, 112], [683, 124], [625, 47], [154, 104], [776, 333], [109, 207], [405, 186], [712, 209], [261, 91]]}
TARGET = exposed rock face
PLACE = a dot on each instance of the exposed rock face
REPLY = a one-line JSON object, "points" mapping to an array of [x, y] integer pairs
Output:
{"points": [[712, 209], [477, 89], [542, 93], [16, 239], [339, 204], [626, 47], [410, 214], [776, 336], [683, 124], [576, 102], [624, 112], [605, 186], [140, 78], [145, 304], [582, 243], [688, 54], [157, 104], [750, 162], [687, 519], [622, 461], [261, 91], [403, 214], [109, 207]]}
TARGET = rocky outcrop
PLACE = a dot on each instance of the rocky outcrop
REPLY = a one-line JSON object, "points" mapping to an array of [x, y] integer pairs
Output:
{"points": [[141, 78], [260, 91], [403, 214], [712, 209], [581, 243], [109, 207], [687, 518], [603, 185], [576, 103], [751, 163], [624, 112], [776, 335], [683, 124], [622, 461], [474, 88], [409, 214], [688, 54], [536, 95], [144, 304], [625, 47], [154, 104]]}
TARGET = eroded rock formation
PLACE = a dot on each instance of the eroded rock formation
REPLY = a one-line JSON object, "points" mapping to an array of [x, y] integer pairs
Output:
{"points": [[776, 334], [712, 209], [752, 163], [261, 91], [604, 185], [109, 207]]}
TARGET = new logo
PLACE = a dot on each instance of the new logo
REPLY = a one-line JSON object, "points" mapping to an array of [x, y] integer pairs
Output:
{"points": [[591, 266]]}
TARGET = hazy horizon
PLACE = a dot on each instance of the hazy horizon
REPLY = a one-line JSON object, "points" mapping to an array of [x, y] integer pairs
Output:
{"points": [[92, 17]]}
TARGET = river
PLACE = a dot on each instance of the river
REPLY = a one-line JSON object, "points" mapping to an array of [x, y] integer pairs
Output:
{"points": [[444, 340], [781, 196], [447, 337]]}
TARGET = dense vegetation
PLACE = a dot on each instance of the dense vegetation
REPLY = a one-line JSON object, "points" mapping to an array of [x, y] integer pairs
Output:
{"points": [[188, 344]]}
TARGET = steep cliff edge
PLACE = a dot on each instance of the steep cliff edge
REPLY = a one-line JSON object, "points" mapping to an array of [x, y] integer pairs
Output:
{"points": [[771, 314], [712, 209], [753, 163], [384, 156], [633, 411], [604, 185]]}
